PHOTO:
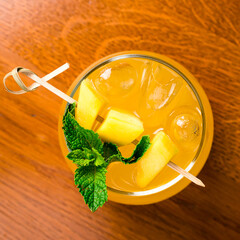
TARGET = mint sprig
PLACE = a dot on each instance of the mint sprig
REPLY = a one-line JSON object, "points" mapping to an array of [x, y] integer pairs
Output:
{"points": [[92, 158]]}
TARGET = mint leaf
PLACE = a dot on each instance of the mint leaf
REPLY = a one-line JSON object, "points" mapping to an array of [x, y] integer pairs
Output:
{"points": [[83, 162], [91, 181], [99, 159], [70, 109], [81, 157], [112, 154], [110, 149], [78, 137], [86, 156], [114, 158], [139, 151]]}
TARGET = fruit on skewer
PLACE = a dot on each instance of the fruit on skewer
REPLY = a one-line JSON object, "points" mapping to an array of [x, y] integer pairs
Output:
{"points": [[88, 106], [120, 127], [158, 155]]}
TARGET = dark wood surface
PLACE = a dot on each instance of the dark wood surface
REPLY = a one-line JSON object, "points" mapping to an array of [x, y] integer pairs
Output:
{"points": [[38, 199]]}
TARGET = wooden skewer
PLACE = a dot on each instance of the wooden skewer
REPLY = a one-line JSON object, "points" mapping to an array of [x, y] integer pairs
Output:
{"points": [[50, 87], [43, 82], [185, 174], [39, 81]]}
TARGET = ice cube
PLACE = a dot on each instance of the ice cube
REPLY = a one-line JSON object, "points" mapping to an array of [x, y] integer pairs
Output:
{"points": [[162, 88], [116, 81], [185, 126], [145, 75], [159, 86]]}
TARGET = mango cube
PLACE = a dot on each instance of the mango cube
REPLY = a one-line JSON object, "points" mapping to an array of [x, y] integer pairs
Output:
{"points": [[155, 159], [89, 105], [120, 128]]}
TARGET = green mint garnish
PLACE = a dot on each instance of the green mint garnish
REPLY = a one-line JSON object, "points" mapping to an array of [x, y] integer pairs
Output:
{"points": [[92, 158], [112, 154], [81, 157], [139, 151], [91, 181]]}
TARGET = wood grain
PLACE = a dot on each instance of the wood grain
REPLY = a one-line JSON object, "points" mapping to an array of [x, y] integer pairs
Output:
{"points": [[38, 199]]}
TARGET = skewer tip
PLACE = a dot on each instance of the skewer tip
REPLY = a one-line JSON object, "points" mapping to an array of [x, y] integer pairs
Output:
{"points": [[201, 184]]}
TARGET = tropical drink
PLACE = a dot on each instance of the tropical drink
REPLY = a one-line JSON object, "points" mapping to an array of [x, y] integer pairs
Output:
{"points": [[133, 94]]}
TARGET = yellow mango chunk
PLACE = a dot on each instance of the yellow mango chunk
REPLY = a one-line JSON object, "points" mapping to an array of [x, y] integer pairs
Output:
{"points": [[89, 105], [120, 128], [155, 159]]}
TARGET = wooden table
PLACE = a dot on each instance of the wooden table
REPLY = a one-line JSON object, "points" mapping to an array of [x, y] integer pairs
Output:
{"points": [[38, 199]]}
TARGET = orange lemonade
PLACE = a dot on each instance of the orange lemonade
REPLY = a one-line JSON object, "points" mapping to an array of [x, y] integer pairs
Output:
{"points": [[163, 96]]}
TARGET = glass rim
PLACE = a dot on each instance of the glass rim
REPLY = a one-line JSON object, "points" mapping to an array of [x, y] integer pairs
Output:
{"points": [[148, 57]]}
